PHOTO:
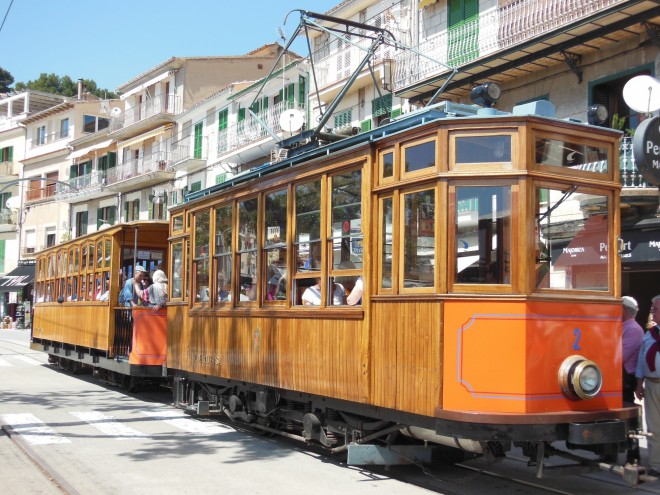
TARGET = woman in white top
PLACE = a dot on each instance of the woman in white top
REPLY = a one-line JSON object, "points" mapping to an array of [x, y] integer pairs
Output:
{"points": [[312, 295]]}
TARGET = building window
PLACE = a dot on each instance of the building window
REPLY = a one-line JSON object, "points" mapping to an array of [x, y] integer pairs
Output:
{"points": [[41, 135], [343, 119], [132, 210], [64, 128], [81, 223], [105, 215], [196, 186], [92, 123], [51, 187], [7, 154], [51, 235]]}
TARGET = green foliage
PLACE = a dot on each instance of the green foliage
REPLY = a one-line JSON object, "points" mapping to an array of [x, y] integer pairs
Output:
{"points": [[619, 123], [65, 86], [6, 80]]}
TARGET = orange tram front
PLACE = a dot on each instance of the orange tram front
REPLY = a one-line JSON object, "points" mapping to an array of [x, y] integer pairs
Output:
{"points": [[448, 277]]}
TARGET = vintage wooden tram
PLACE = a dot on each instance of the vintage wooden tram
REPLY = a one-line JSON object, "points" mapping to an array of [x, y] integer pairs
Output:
{"points": [[486, 246], [485, 249], [77, 317]]}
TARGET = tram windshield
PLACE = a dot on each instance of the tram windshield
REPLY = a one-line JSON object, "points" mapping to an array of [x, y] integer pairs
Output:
{"points": [[571, 239]]}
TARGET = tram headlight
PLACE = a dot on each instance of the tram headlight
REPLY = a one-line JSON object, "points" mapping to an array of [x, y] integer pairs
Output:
{"points": [[580, 378]]}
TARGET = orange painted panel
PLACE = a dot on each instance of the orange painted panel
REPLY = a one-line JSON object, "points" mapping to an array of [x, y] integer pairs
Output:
{"points": [[505, 356], [149, 337]]}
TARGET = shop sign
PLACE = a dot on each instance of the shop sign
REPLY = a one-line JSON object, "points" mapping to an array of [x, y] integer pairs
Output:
{"points": [[646, 150]]}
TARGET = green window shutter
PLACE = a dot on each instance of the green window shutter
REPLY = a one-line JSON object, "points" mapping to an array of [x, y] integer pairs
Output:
{"points": [[290, 95], [343, 118], [126, 209], [365, 125], [455, 13], [103, 163], [381, 105], [10, 154], [255, 107], [199, 129], [281, 94], [241, 114], [111, 216], [136, 209], [302, 91], [264, 103], [99, 218], [112, 159], [87, 167], [196, 186], [220, 178], [395, 113], [222, 119], [462, 45], [73, 172]]}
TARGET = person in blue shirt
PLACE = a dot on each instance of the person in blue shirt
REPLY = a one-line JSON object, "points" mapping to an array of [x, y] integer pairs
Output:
{"points": [[131, 294]]}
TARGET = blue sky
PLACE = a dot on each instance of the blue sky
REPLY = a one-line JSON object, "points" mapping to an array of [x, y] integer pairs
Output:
{"points": [[113, 41]]}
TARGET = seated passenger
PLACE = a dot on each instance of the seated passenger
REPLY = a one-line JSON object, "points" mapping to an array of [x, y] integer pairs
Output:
{"points": [[312, 295], [355, 297]]}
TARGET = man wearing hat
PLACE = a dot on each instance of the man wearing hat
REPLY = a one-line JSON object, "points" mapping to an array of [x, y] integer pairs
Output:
{"points": [[131, 294], [631, 340]]}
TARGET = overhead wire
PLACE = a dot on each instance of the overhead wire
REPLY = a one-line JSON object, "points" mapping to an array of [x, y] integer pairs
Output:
{"points": [[6, 14]]}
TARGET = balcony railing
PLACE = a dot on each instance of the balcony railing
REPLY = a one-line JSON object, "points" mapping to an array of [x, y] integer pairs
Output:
{"points": [[8, 217], [160, 105], [42, 194], [250, 130], [493, 30], [8, 168], [84, 183], [156, 162]]}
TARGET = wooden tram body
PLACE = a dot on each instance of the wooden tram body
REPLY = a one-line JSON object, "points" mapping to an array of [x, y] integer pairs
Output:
{"points": [[79, 324], [468, 330]]}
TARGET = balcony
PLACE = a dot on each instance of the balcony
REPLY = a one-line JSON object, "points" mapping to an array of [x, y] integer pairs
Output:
{"points": [[146, 116], [8, 168], [638, 198], [189, 158], [42, 194], [90, 186], [141, 172], [504, 39], [248, 139], [46, 139], [8, 220]]}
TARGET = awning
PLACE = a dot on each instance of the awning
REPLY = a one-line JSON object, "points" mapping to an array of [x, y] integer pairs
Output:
{"points": [[89, 149], [18, 278], [144, 137]]}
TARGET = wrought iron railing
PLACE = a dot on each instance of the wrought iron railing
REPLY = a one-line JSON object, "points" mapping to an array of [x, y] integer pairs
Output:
{"points": [[121, 345], [629, 175], [160, 105], [156, 162]]}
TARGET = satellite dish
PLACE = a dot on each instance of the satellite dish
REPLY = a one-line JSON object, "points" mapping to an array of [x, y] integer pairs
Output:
{"points": [[642, 94], [291, 120], [13, 203], [115, 111]]}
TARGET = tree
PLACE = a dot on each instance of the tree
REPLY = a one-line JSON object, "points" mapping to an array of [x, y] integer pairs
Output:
{"points": [[6, 80], [65, 86]]}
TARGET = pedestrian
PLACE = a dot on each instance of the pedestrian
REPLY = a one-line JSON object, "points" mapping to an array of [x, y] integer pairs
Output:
{"points": [[631, 341], [648, 386], [131, 294]]}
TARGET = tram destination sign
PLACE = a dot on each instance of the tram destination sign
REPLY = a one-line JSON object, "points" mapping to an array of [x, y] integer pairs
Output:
{"points": [[646, 150]]}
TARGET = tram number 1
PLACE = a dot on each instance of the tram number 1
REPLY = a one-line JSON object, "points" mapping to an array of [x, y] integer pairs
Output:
{"points": [[576, 343]]}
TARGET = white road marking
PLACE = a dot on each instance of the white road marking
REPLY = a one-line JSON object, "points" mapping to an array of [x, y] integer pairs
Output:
{"points": [[109, 426], [185, 423], [4, 363], [27, 360], [32, 429]]}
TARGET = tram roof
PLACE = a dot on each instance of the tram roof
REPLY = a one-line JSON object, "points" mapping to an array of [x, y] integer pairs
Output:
{"points": [[441, 111]]}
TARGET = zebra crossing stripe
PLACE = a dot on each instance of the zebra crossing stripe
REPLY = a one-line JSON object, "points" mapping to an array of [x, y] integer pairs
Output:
{"points": [[185, 423], [32, 429], [27, 360], [109, 426]]}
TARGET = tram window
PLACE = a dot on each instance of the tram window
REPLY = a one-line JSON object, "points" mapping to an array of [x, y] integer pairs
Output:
{"points": [[275, 252], [386, 241], [419, 156], [483, 149], [177, 282], [90, 261], [108, 252], [307, 243], [223, 253], [347, 220], [83, 258], [177, 223], [99, 254], [387, 164], [247, 246], [76, 259], [563, 153], [70, 271], [419, 239], [83, 294], [201, 260], [483, 235], [572, 232]]}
